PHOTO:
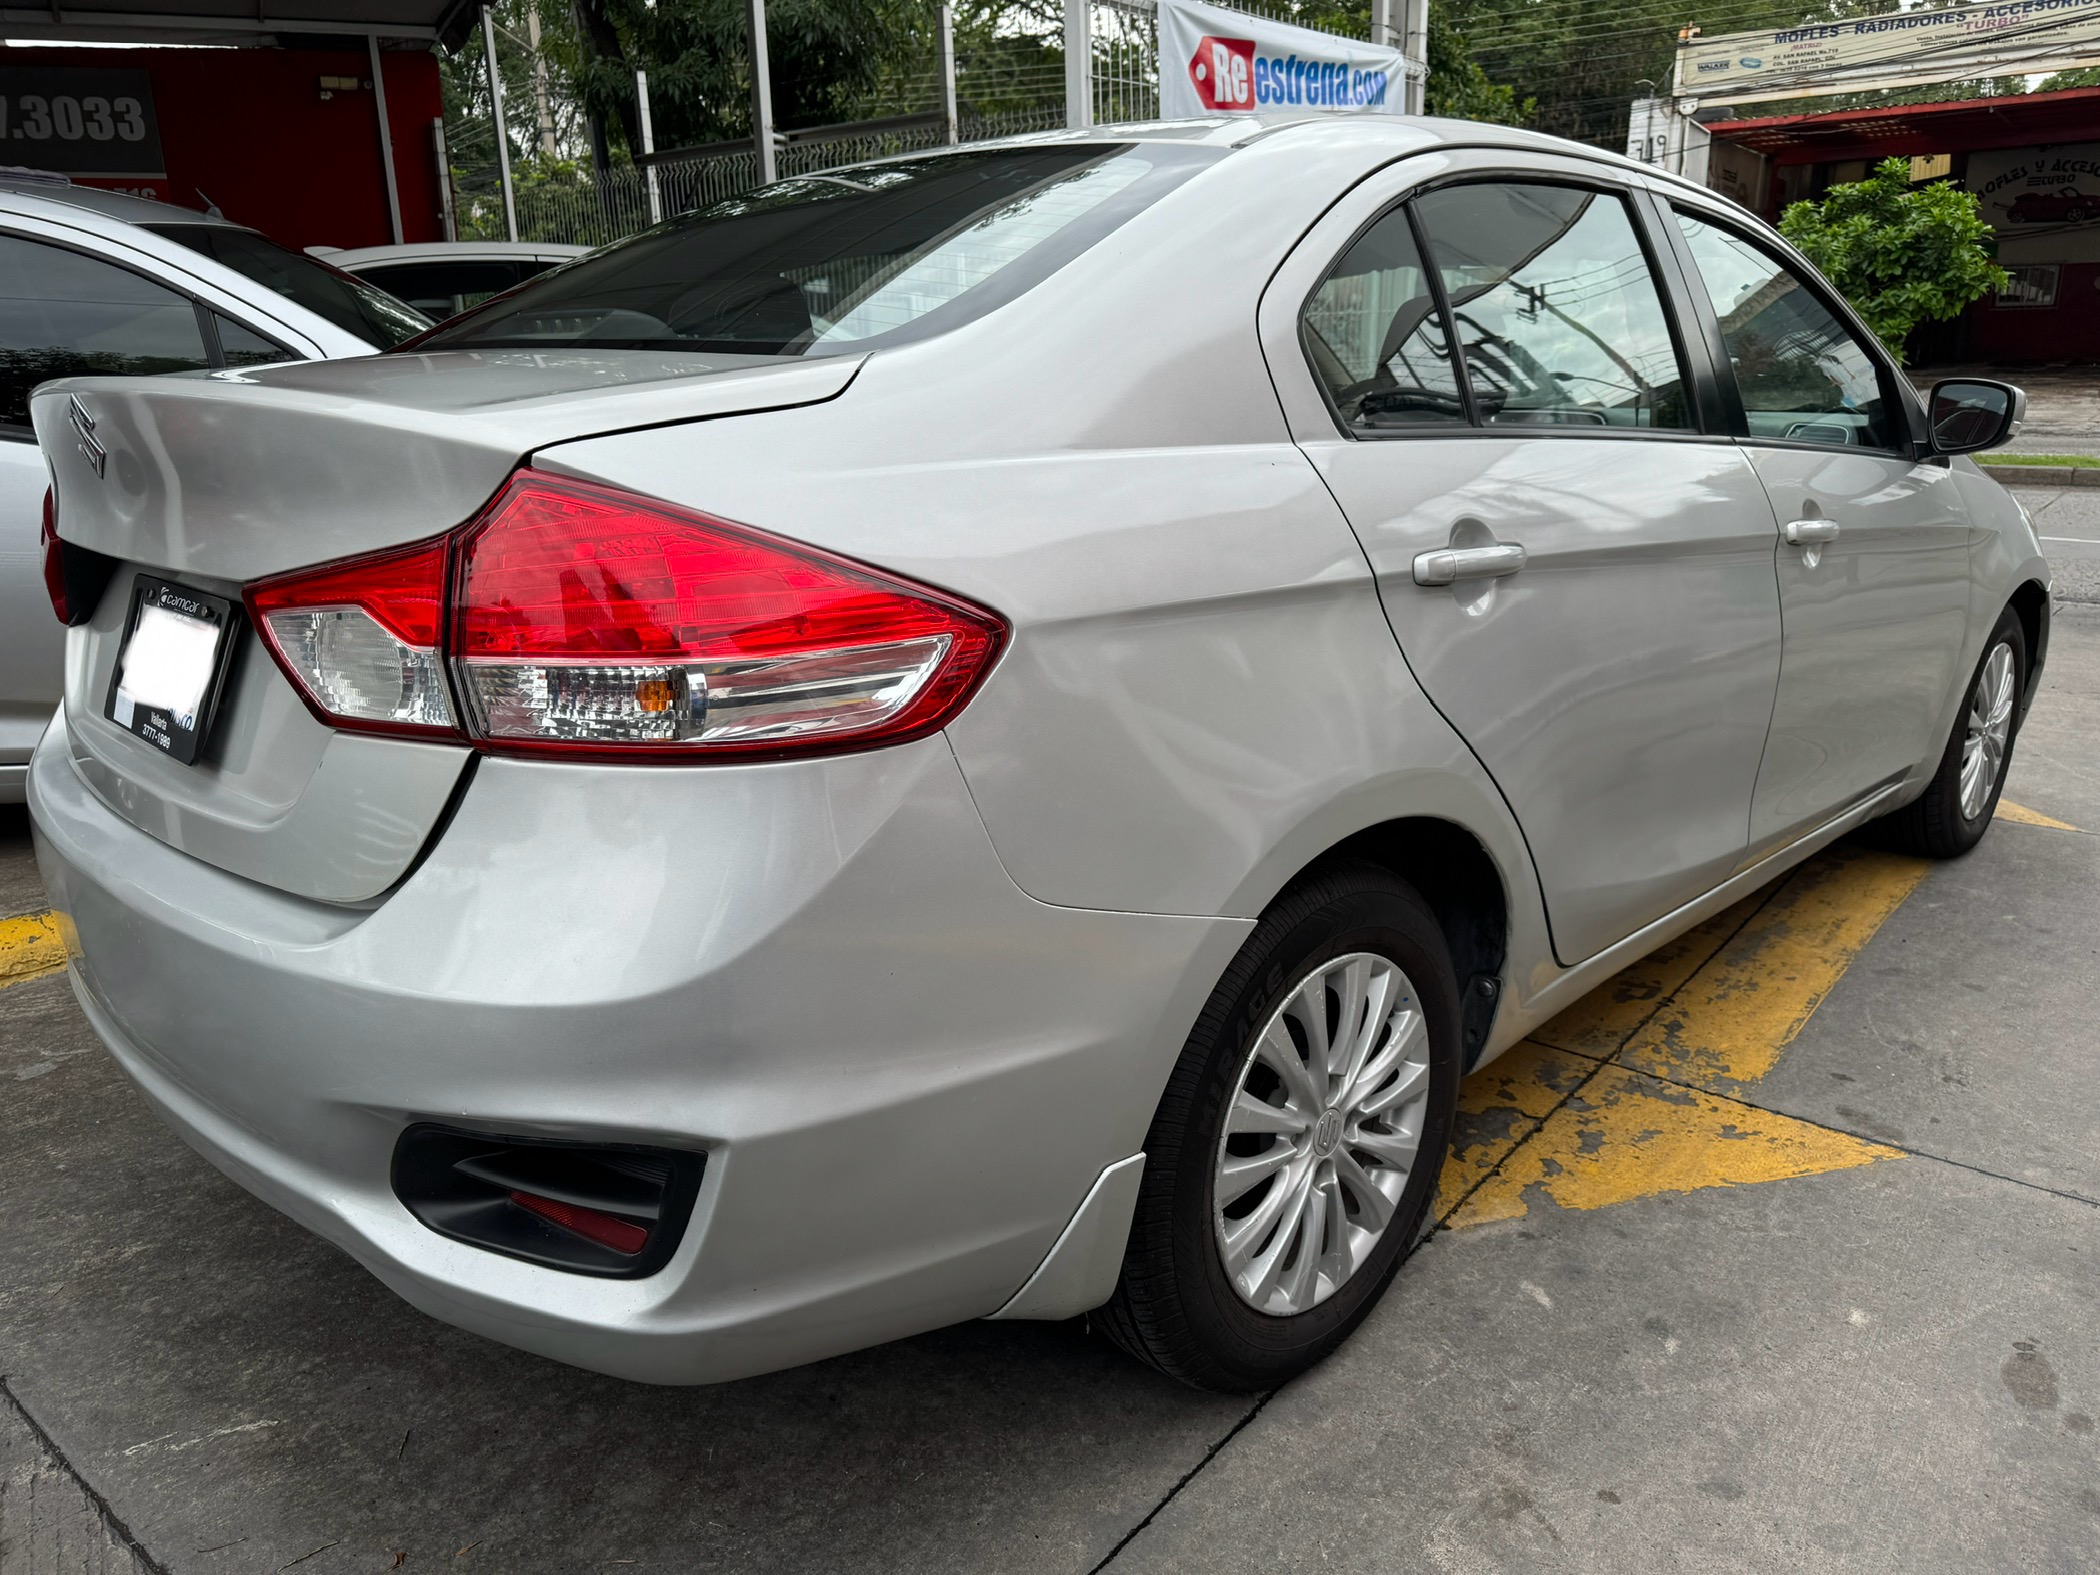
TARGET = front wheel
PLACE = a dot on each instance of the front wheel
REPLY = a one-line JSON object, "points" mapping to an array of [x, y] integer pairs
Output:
{"points": [[1955, 810], [1295, 1152]]}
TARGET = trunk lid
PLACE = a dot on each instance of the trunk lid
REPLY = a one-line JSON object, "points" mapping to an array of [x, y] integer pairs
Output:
{"points": [[219, 480]]}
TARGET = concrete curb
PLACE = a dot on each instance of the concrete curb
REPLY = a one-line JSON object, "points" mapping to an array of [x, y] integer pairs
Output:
{"points": [[2044, 475]]}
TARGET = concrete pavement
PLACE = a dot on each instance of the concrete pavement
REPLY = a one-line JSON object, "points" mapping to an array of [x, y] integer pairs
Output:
{"points": [[1831, 1303], [2068, 521]]}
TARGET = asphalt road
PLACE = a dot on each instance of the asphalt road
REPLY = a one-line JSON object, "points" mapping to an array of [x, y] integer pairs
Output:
{"points": [[1781, 1253], [2068, 521]]}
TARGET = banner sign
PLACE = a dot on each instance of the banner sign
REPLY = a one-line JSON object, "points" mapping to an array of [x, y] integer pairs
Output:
{"points": [[1214, 61], [2032, 188], [1898, 49], [79, 122]]}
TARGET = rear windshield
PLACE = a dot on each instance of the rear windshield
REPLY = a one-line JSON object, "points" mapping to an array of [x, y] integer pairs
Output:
{"points": [[854, 257], [349, 303]]}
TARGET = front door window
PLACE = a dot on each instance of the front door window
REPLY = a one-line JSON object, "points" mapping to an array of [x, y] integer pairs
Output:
{"points": [[1804, 377]]}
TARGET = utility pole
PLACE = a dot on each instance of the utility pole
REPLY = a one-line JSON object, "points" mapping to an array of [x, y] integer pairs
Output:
{"points": [[543, 99], [761, 97], [510, 196], [948, 73], [446, 207], [1079, 64], [1414, 44], [641, 103]]}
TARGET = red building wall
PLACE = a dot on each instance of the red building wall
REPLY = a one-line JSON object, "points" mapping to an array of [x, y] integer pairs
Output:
{"points": [[2068, 330], [252, 131]]}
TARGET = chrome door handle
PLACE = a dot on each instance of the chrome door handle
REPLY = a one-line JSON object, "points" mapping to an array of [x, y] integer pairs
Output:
{"points": [[1448, 565], [1810, 533]]}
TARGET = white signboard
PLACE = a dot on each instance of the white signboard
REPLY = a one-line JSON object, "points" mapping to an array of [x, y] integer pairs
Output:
{"points": [[1896, 49], [1214, 61]]}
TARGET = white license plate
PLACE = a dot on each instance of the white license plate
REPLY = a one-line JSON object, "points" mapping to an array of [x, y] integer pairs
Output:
{"points": [[171, 666]]}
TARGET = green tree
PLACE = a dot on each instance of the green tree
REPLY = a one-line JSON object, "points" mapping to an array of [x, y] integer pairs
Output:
{"points": [[825, 55], [1459, 85], [1901, 254]]}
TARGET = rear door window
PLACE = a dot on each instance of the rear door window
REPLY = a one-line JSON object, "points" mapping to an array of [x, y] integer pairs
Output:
{"points": [[1558, 316], [1804, 376], [240, 345], [1376, 339], [855, 257], [66, 314]]}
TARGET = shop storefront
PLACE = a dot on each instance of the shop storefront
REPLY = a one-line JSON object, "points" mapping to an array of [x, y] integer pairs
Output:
{"points": [[2032, 160]]}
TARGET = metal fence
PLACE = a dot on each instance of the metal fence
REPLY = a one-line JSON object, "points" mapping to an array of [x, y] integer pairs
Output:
{"points": [[1118, 44], [584, 210]]}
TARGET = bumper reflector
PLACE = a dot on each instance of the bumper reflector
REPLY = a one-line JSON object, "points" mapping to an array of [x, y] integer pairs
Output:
{"points": [[609, 1209], [608, 1230]]}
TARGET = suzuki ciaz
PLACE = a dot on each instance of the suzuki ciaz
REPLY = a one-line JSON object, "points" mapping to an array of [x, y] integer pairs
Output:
{"points": [[989, 734]]}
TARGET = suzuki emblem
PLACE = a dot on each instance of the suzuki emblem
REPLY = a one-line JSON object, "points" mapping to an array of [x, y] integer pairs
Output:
{"points": [[84, 429]]}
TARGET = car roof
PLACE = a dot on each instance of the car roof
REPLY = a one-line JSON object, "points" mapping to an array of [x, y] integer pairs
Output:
{"points": [[119, 205], [1406, 131], [122, 222], [356, 257]]}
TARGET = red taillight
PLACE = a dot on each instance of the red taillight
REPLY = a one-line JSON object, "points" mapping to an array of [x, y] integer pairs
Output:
{"points": [[55, 562], [607, 1230], [361, 639], [587, 620]]}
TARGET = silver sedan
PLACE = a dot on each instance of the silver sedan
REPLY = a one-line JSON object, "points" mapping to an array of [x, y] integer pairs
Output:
{"points": [[990, 734]]}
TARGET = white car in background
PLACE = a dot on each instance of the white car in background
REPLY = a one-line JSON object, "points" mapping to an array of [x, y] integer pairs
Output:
{"points": [[96, 281], [444, 278]]}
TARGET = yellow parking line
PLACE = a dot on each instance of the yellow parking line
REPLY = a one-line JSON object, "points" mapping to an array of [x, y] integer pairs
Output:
{"points": [[1727, 1026], [1600, 1023], [1628, 1093], [2021, 815], [1626, 1136], [30, 947], [1500, 1106]]}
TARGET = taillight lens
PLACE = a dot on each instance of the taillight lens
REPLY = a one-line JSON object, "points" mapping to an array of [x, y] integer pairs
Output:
{"points": [[74, 576], [362, 639], [586, 620], [55, 562], [590, 619]]}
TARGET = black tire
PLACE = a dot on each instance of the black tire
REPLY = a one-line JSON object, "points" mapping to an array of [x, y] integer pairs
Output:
{"points": [[1932, 825], [1175, 1307]]}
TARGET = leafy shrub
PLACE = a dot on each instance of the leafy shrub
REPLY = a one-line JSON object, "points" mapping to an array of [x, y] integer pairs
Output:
{"points": [[1901, 254]]}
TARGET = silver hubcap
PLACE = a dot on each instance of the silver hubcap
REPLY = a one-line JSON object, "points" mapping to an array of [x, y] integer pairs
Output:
{"points": [[1990, 726], [1322, 1134]]}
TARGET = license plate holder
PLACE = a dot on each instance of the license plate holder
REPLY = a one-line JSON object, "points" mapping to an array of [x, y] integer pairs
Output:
{"points": [[170, 668]]}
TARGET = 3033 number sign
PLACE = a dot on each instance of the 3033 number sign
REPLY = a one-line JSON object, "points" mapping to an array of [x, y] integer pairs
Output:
{"points": [[76, 121]]}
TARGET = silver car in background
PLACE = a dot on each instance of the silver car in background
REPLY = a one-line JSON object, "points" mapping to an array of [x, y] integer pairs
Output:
{"points": [[98, 281], [990, 734]]}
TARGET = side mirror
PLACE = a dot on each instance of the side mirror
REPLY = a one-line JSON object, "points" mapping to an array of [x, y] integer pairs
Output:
{"points": [[1966, 414]]}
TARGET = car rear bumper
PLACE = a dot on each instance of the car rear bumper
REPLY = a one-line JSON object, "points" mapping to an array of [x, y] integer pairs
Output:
{"points": [[905, 1074]]}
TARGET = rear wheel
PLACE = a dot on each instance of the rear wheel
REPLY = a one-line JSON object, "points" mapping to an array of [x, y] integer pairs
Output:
{"points": [[1952, 814], [1293, 1158]]}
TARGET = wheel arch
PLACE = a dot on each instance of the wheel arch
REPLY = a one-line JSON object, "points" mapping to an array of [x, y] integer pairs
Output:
{"points": [[2030, 602], [1455, 874]]}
